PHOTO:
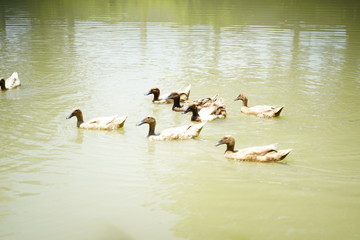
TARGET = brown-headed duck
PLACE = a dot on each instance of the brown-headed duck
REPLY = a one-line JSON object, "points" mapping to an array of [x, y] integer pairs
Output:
{"points": [[207, 113], [184, 95], [263, 111], [256, 154], [12, 82], [100, 123], [176, 133]]}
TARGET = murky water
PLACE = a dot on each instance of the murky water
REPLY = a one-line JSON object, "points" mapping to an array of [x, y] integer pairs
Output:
{"points": [[59, 182]]}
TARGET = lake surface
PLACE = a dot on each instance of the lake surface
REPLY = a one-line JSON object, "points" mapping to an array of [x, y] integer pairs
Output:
{"points": [[60, 182]]}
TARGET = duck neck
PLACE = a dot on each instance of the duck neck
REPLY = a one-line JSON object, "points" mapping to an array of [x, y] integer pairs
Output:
{"points": [[151, 129], [2, 84], [156, 96], [80, 119], [195, 114], [230, 147], [176, 103], [245, 102]]}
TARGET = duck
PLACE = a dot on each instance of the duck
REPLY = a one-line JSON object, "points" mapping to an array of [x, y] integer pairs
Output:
{"points": [[263, 111], [100, 123], [184, 95], [200, 103], [255, 154], [207, 113], [177, 133], [12, 82]]}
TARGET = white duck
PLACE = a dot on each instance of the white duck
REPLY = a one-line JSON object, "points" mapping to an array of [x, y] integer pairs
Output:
{"points": [[100, 123], [256, 154], [176, 133], [263, 111], [12, 82]]}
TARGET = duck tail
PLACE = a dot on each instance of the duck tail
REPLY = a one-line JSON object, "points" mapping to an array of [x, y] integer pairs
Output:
{"points": [[214, 98], [187, 89], [278, 111], [199, 126], [120, 121], [14, 75], [185, 93], [284, 153]]}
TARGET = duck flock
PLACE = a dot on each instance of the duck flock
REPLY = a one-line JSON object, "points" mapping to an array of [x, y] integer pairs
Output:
{"points": [[203, 110]]}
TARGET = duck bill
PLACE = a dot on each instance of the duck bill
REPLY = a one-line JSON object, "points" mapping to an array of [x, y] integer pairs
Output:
{"points": [[140, 123], [219, 143], [148, 93], [186, 111], [236, 99], [70, 116]]}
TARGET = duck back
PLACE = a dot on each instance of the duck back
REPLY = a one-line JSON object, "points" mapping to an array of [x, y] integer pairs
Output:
{"points": [[105, 123]]}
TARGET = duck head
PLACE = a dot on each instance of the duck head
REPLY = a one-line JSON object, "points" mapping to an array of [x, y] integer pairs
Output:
{"points": [[229, 141], [192, 108], [195, 113], [243, 98], [148, 120], [155, 92], [174, 96], [75, 112], [78, 114], [152, 122]]}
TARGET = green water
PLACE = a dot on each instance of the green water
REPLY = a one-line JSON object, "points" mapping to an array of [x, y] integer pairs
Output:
{"points": [[59, 182]]}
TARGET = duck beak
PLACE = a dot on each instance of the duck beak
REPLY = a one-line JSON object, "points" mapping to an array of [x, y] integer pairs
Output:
{"points": [[148, 93], [219, 143], [236, 99], [140, 123], [186, 111], [70, 116]]}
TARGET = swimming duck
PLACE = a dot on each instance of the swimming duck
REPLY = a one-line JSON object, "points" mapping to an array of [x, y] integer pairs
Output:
{"points": [[177, 133], [12, 82], [184, 95], [207, 113], [263, 111], [257, 154], [200, 103], [100, 123]]}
